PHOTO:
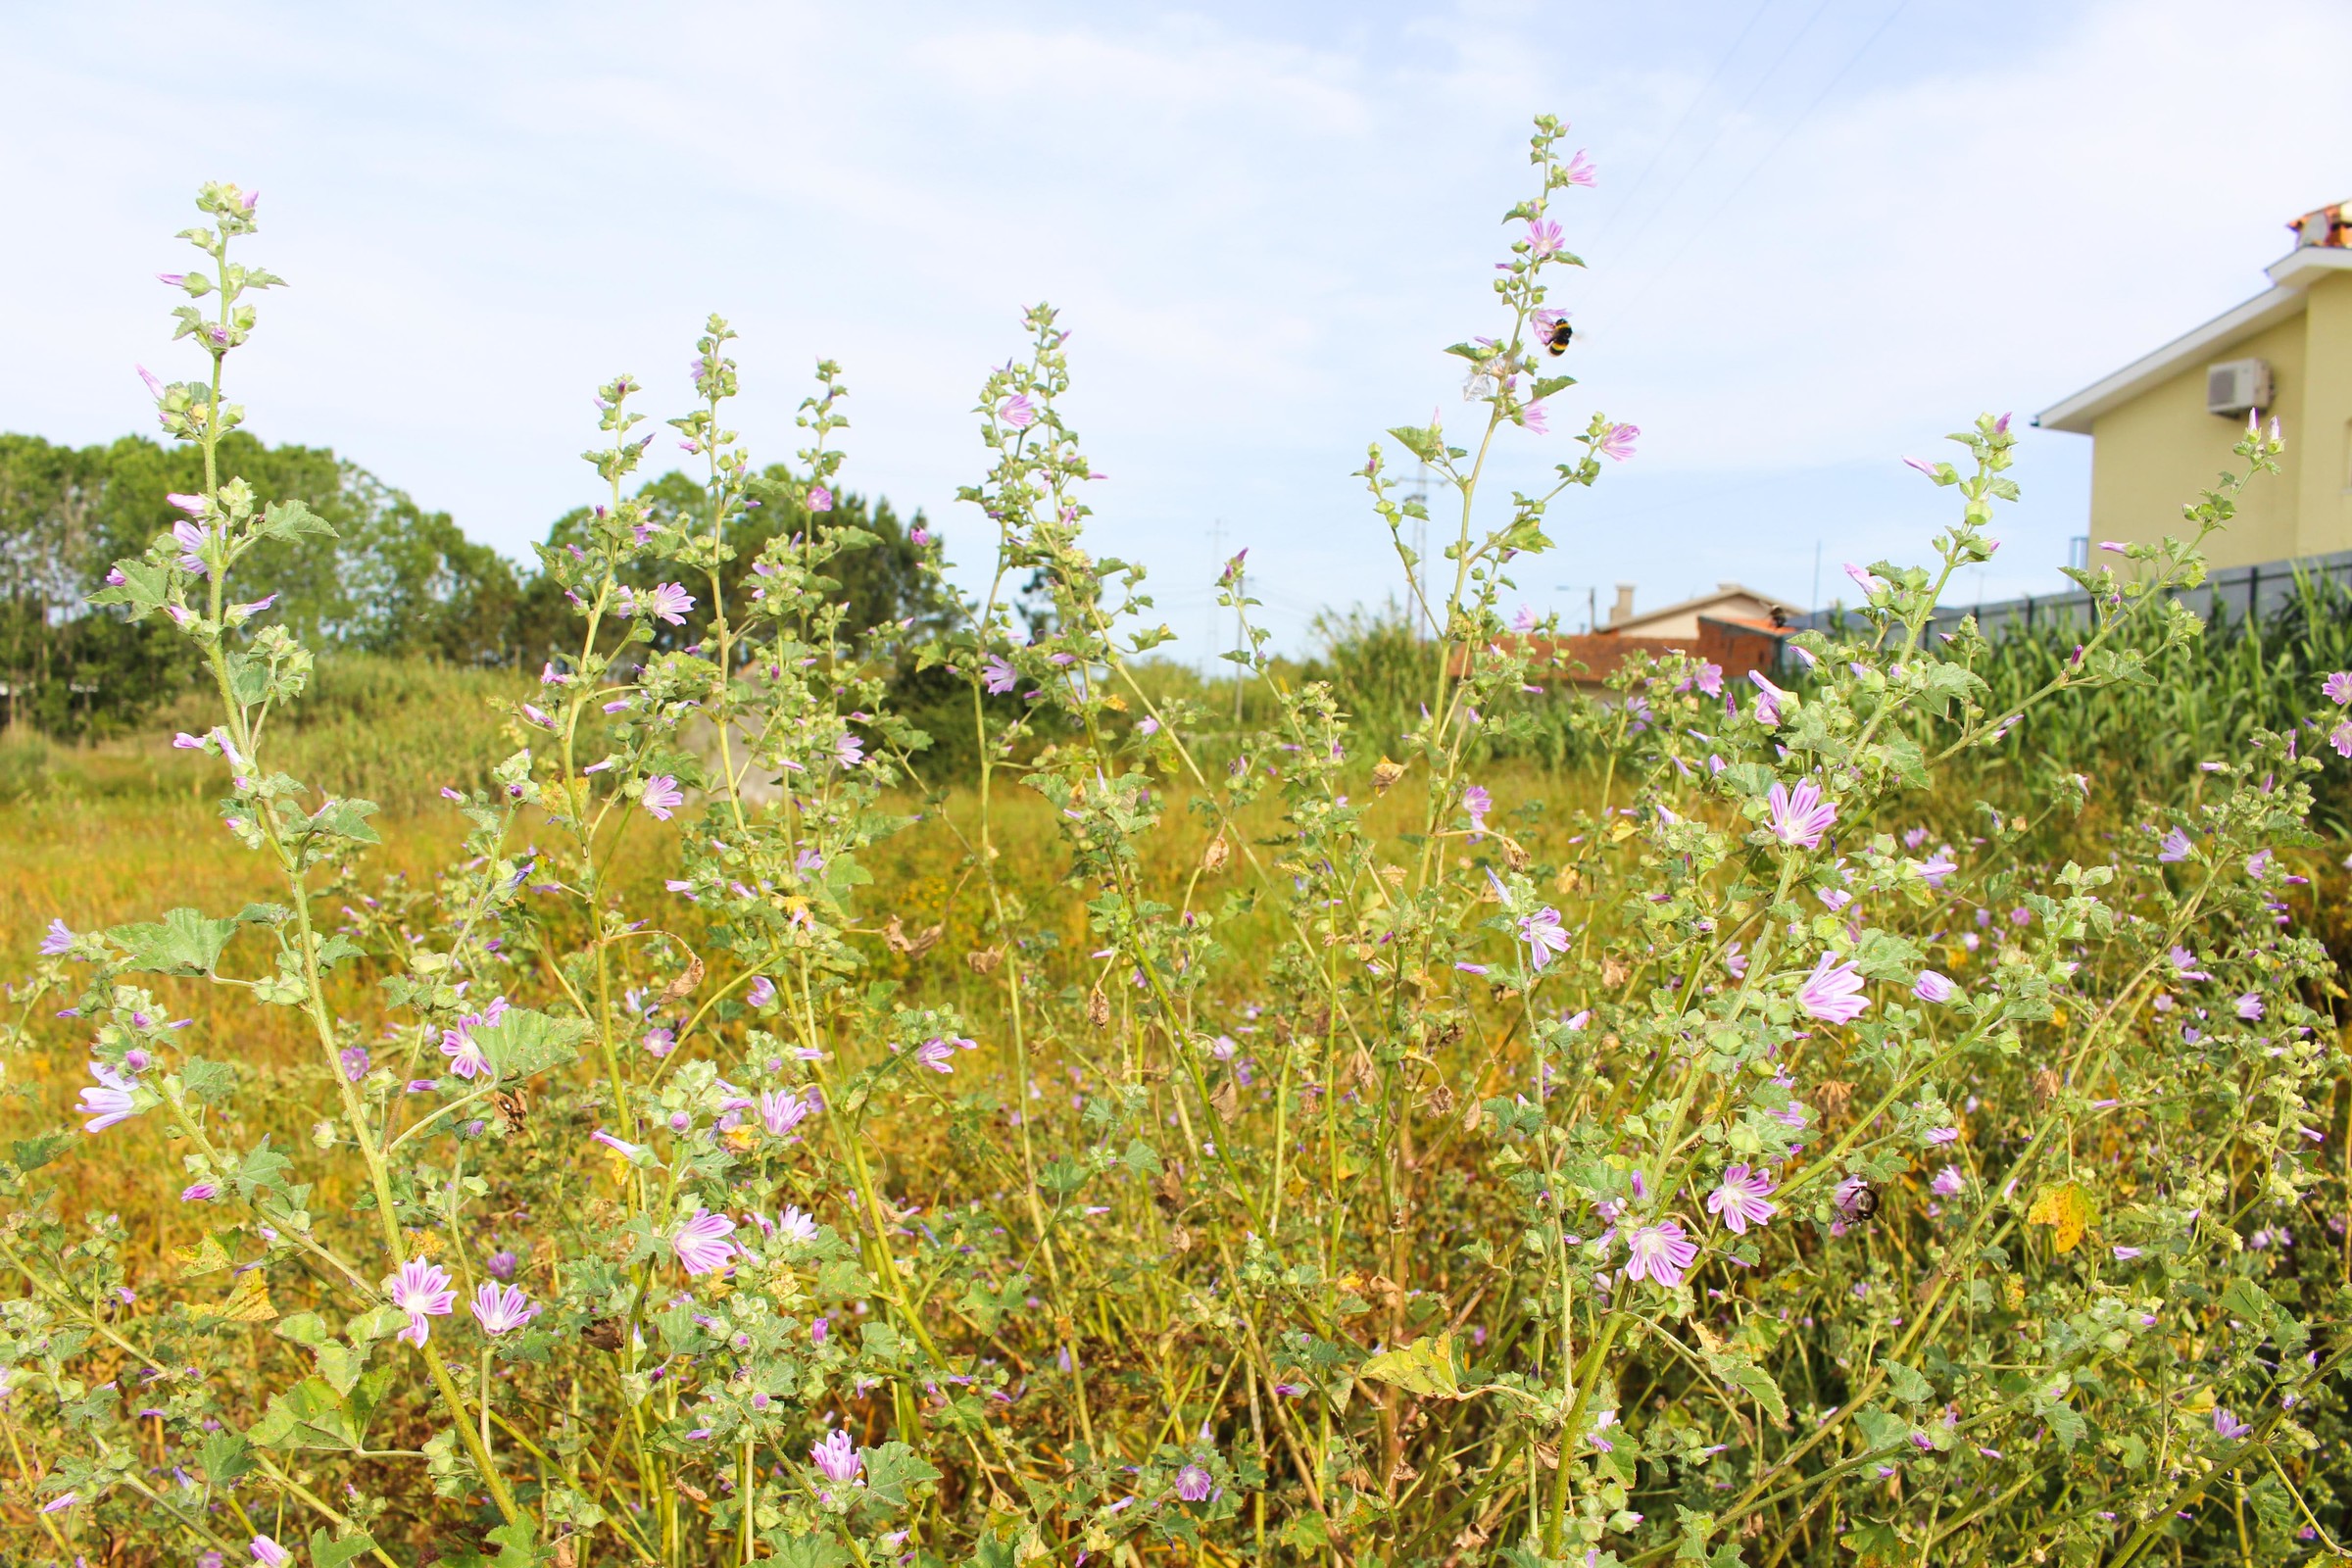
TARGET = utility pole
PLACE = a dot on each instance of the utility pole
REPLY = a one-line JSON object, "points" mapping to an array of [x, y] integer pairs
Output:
{"points": [[1240, 642], [1419, 576], [1591, 602], [1209, 634]]}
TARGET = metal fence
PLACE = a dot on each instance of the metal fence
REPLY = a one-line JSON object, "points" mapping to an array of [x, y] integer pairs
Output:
{"points": [[2237, 590]]}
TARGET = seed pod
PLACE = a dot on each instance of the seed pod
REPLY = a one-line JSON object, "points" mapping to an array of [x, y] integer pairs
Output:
{"points": [[895, 938], [682, 987], [1097, 1008], [1832, 1093]]}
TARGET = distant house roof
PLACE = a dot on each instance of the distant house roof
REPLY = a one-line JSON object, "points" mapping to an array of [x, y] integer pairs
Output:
{"points": [[1730, 601], [2290, 277], [1589, 659]]}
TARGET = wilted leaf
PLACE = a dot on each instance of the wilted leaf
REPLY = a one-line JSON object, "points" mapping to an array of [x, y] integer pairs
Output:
{"points": [[249, 1300], [2066, 1208], [1425, 1367], [202, 1258]]}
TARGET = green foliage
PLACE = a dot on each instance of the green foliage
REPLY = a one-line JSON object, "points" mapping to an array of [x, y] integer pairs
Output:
{"points": [[1695, 1161]]}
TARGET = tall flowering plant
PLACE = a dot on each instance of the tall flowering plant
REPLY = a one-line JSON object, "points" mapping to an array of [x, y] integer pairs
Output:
{"points": [[1757, 1157]]}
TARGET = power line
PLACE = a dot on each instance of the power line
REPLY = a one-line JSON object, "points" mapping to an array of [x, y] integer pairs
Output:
{"points": [[1650, 280], [1625, 203], [1724, 128]]}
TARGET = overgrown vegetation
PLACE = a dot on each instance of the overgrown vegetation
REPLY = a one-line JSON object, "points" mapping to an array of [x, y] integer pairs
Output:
{"points": [[1770, 1134]]}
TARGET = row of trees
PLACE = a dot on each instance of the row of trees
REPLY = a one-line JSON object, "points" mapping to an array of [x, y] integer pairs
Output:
{"points": [[396, 579]]}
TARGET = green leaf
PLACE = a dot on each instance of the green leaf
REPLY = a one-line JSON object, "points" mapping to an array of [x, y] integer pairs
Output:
{"points": [[890, 1469], [1753, 1380], [1881, 1429], [811, 1551], [291, 520], [31, 1153], [1909, 1386], [523, 1042], [264, 1170], [305, 1329], [184, 943], [1424, 1367], [308, 1415], [143, 587], [376, 1323], [1427, 445], [227, 1457], [334, 1552], [347, 819], [213, 1081]]}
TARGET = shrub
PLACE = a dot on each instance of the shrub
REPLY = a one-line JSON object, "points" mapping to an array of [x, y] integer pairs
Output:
{"points": [[1711, 1166]]}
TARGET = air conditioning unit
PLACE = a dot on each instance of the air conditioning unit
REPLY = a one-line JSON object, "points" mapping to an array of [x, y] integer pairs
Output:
{"points": [[2234, 387]]}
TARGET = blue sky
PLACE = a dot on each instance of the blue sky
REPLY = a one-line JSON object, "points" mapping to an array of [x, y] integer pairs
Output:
{"points": [[1824, 232]]}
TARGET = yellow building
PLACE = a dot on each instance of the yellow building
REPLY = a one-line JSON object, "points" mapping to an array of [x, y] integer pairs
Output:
{"points": [[2162, 429]]}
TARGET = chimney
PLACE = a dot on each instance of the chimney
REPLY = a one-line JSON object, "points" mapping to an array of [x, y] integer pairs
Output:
{"points": [[1623, 610], [2327, 226]]}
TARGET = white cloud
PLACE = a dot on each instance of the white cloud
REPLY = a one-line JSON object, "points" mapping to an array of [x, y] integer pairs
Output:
{"points": [[1260, 224]]}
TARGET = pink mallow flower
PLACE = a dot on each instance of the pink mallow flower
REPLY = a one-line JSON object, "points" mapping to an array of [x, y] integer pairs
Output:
{"points": [[1933, 987], [1617, 443], [939, 1054], [662, 797], [108, 1104], [503, 1311], [1543, 935], [1741, 1200], [702, 1243], [837, 1458], [1832, 993], [668, 600], [1799, 816], [465, 1056], [421, 1289], [1659, 1253], [999, 675], [1477, 802], [2337, 687], [781, 1110]]}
